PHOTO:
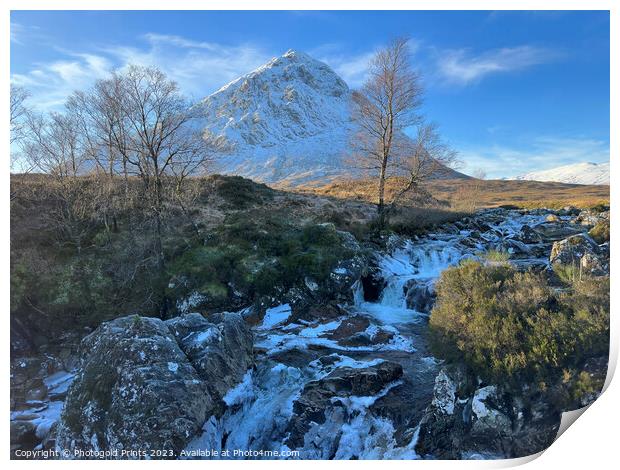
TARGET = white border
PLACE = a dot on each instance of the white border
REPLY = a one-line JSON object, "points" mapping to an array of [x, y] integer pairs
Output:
{"points": [[592, 443]]}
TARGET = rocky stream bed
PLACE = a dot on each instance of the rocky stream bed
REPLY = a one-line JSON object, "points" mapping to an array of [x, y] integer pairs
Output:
{"points": [[353, 382]]}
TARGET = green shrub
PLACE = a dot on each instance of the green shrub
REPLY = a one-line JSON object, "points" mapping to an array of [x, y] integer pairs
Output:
{"points": [[511, 327], [568, 273], [257, 256], [600, 232], [20, 283], [81, 286]]}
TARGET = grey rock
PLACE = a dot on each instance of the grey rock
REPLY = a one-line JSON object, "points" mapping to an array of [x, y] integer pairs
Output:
{"points": [[319, 398], [590, 218], [573, 250], [529, 235], [420, 296], [149, 384], [444, 393], [23, 434], [465, 419], [553, 231]]}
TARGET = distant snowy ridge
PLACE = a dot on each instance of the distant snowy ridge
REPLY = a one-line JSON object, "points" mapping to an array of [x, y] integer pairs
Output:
{"points": [[289, 121], [578, 173]]}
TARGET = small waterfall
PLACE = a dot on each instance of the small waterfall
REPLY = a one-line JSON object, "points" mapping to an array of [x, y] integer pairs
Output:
{"points": [[432, 259], [423, 263], [358, 293]]}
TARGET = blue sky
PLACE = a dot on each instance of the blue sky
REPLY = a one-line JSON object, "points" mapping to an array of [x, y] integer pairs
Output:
{"points": [[512, 91]]}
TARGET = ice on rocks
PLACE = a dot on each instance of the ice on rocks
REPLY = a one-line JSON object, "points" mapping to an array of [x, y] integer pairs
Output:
{"points": [[276, 316]]}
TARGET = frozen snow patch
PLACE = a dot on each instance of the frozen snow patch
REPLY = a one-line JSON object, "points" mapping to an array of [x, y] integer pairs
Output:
{"points": [[241, 392], [478, 406], [276, 316]]}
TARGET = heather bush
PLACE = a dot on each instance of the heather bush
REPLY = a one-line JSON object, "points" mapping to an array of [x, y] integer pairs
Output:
{"points": [[511, 327]]}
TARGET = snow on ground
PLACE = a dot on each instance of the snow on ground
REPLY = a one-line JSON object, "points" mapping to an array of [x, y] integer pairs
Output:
{"points": [[578, 173]]}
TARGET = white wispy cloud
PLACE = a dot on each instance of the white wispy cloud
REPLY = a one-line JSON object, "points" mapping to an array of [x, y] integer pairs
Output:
{"points": [[353, 68], [16, 31], [198, 67], [51, 83], [462, 67], [542, 153], [21, 33]]}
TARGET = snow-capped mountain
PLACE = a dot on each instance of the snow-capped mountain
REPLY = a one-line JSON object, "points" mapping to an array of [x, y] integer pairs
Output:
{"points": [[578, 173], [289, 121]]}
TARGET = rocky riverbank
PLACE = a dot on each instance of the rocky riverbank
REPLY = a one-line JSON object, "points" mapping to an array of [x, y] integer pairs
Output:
{"points": [[299, 377]]}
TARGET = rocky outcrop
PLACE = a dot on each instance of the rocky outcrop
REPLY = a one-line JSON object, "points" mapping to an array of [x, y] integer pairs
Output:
{"points": [[465, 418], [581, 252], [148, 384], [319, 397], [419, 296], [590, 218], [529, 235], [38, 386], [357, 331], [553, 231]]}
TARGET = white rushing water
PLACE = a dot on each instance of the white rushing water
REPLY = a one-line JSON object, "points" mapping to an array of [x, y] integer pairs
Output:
{"points": [[260, 408]]}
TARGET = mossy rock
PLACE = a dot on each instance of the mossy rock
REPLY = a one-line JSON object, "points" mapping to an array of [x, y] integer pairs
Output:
{"points": [[600, 232]]}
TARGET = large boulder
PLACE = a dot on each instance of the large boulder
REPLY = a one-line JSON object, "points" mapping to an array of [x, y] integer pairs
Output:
{"points": [[443, 426], [515, 248], [149, 384], [420, 295], [590, 218], [487, 416], [23, 435], [219, 348], [528, 235], [465, 418], [553, 231], [579, 251]]}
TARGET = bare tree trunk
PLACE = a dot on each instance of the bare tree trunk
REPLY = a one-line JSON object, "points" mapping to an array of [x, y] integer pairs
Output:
{"points": [[381, 206]]}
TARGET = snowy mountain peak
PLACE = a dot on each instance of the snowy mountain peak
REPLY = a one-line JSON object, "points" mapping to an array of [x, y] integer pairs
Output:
{"points": [[288, 121], [577, 173]]}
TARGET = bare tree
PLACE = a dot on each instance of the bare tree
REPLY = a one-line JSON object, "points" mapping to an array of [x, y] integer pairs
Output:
{"points": [[159, 138], [54, 146], [137, 123], [426, 156], [18, 112], [103, 128], [386, 106]]}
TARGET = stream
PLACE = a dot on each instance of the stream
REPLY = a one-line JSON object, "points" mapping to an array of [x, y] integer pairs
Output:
{"points": [[393, 328]]}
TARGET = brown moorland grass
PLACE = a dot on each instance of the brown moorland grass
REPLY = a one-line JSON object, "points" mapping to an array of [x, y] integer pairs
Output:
{"points": [[460, 194]]}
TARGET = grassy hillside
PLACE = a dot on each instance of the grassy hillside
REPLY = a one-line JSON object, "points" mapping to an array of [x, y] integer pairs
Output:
{"points": [[234, 236], [460, 194], [233, 242]]}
